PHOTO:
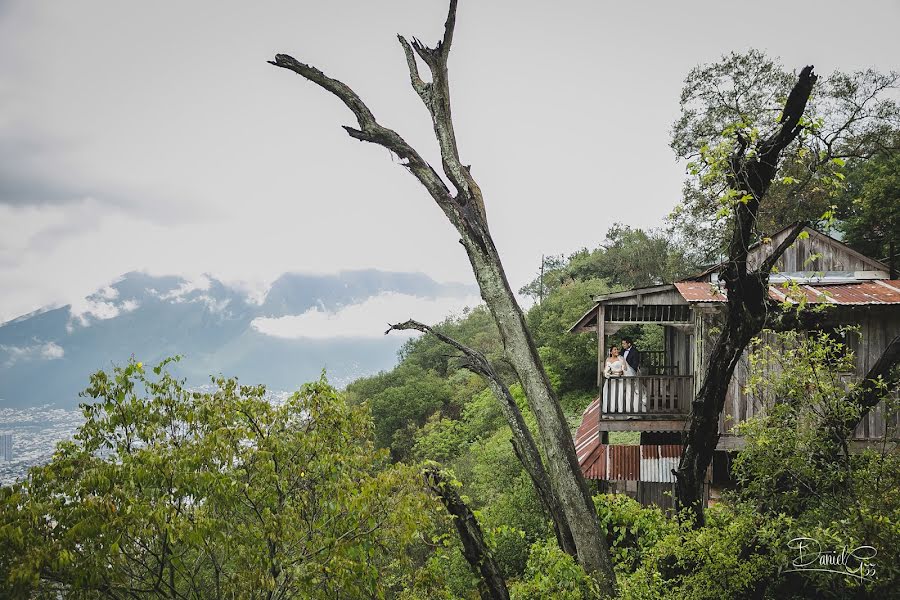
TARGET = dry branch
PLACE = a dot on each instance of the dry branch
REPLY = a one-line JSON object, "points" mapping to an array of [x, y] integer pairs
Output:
{"points": [[465, 210], [477, 553], [522, 441]]}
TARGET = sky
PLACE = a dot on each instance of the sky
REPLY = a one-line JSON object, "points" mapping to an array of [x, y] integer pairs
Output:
{"points": [[154, 136]]}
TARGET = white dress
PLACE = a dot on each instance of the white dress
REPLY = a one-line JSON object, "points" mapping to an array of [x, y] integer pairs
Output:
{"points": [[622, 393]]}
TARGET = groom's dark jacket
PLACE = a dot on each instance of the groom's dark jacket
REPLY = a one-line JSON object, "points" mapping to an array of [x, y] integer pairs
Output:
{"points": [[633, 358]]}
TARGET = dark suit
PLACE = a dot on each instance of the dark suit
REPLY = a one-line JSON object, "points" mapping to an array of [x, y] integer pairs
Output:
{"points": [[633, 358]]}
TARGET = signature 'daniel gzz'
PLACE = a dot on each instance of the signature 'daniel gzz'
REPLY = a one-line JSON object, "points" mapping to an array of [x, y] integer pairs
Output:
{"points": [[854, 562]]}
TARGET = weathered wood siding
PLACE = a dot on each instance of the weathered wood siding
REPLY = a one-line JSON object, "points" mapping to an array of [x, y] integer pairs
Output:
{"points": [[818, 252], [878, 325]]}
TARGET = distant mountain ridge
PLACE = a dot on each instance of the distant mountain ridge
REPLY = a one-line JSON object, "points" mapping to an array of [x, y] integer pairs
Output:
{"points": [[47, 355]]}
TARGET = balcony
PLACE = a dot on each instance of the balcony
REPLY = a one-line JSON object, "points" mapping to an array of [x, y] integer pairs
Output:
{"points": [[645, 402]]}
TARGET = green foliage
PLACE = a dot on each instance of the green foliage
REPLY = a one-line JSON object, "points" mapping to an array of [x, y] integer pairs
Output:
{"points": [[409, 402], [570, 359], [166, 491], [871, 205], [551, 573], [796, 462], [736, 555], [631, 530], [627, 258], [738, 100], [475, 329]]}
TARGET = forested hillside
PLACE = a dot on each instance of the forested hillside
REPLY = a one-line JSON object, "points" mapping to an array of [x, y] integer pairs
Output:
{"points": [[414, 484], [429, 404]]}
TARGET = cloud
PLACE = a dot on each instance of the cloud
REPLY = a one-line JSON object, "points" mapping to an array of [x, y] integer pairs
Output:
{"points": [[52, 350], [191, 290], [130, 305], [43, 351], [94, 307], [367, 319], [213, 305], [179, 294]]}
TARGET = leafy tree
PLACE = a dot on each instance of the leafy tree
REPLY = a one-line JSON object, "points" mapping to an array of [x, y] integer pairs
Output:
{"points": [[737, 554], [870, 206], [744, 150], [798, 464], [738, 100], [171, 493], [572, 358], [475, 328], [628, 258], [401, 408]]}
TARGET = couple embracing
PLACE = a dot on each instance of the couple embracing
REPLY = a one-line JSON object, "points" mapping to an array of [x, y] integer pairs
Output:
{"points": [[625, 362], [623, 395]]}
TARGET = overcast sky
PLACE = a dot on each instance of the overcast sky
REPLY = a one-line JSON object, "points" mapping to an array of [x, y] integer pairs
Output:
{"points": [[153, 135]]}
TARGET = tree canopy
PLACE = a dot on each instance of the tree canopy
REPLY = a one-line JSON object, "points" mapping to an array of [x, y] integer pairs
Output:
{"points": [[850, 117], [167, 492]]}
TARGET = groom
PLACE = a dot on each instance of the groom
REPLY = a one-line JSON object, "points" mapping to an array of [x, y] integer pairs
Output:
{"points": [[632, 356]]}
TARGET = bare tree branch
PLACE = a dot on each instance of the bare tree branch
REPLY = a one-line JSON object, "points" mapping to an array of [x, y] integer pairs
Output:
{"points": [[475, 550], [370, 130], [465, 210], [436, 97], [522, 441]]}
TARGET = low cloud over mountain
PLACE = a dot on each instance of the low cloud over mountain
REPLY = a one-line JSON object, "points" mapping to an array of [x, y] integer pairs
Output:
{"points": [[302, 324]]}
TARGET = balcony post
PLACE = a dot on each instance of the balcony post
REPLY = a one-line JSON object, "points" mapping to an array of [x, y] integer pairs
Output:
{"points": [[601, 345]]}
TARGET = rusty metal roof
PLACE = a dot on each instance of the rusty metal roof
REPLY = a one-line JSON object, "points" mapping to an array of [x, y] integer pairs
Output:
{"points": [[649, 462], [700, 291], [876, 291], [653, 462]]}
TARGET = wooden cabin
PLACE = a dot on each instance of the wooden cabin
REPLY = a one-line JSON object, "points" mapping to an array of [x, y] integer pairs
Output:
{"points": [[657, 402]]}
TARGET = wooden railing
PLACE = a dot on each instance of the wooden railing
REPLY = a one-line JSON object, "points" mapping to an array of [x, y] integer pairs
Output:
{"points": [[661, 394], [656, 362]]}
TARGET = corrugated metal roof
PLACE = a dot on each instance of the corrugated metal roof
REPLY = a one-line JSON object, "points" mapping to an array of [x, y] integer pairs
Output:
{"points": [[589, 430], [699, 291], [877, 291], [653, 462]]}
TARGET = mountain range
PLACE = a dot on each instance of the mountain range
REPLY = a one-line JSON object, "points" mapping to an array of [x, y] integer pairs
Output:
{"points": [[303, 324]]}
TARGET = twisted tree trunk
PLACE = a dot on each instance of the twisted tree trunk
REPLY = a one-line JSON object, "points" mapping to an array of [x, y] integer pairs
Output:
{"points": [[464, 208], [747, 294], [522, 441], [476, 552]]}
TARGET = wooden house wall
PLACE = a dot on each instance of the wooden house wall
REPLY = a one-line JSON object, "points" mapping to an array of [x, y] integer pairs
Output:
{"points": [[669, 297], [679, 349], [832, 255], [878, 325]]}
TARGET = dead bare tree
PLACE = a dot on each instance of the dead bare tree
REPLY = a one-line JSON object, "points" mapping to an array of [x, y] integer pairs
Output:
{"points": [[522, 441], [751, 174], [476, 552], [464, 208]]}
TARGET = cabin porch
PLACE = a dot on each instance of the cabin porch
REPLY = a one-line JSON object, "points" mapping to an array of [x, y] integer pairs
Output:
{"points": [[658, 398]]}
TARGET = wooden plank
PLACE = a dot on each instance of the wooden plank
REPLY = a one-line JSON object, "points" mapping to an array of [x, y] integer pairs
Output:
{"points": [[601, 344]]}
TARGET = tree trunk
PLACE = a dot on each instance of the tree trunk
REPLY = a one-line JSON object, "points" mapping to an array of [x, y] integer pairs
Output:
{"points": [[519, 348], [478, 555], [747, 294], [466, 211], [522, 441]]}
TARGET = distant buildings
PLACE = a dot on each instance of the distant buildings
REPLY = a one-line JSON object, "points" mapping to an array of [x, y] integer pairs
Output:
{"points": [[6, 449]]}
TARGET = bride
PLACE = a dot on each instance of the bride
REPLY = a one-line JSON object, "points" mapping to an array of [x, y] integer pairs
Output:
{"points": [[621, 392], [615, 364]]}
